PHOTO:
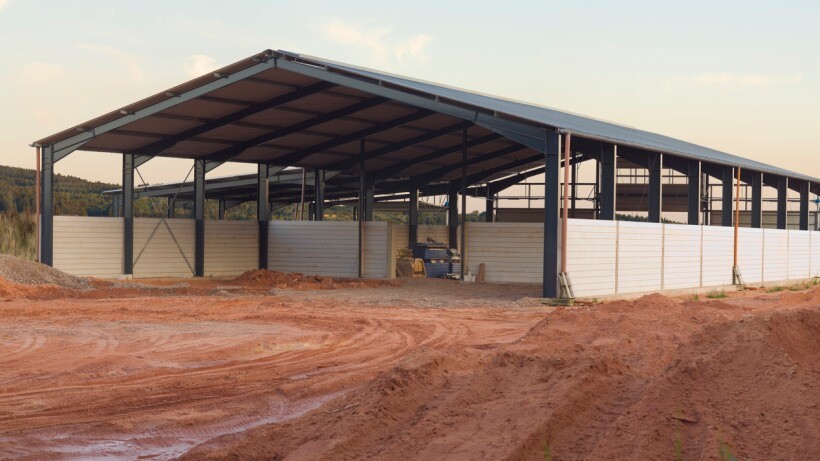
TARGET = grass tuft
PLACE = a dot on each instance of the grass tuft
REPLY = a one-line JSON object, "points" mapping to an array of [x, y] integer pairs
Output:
{"points": [[717, 294]]}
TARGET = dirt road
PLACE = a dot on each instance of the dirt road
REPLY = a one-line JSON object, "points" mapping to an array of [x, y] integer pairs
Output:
{"points": [[154, 376], [415, 370]]}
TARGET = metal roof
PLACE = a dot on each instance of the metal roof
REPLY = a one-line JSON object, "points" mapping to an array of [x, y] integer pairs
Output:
{"points": [[289, 109]]}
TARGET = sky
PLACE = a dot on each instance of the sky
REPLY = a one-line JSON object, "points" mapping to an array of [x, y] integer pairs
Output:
{"points": [[738, 76]]}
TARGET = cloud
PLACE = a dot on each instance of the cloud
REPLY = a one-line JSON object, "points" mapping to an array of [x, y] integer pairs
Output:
{"points": [[3, 4], [131, 62], [199, 64], [40, 72], [748, 79], [376, 41]]}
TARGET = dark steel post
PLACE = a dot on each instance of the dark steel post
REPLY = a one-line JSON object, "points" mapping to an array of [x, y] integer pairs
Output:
{"points": [[172, 207], [47, 207], [199, 217], [414, 216], [463, 247], [319, 192], [369, 200], [221, 214], [655, 187], [262, 213], [805, 187], [693, 174], [452, 215], [489, 213], [573, 187], [782, 202], [726, 178], [128, 213], [361, 209], [757, 200], [552, 208], [608, 181]]}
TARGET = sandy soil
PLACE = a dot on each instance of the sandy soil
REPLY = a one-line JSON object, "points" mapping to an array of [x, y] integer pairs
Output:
{"points": [[419, 369]]}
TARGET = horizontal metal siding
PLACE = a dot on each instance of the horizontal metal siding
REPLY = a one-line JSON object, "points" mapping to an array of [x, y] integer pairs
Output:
{"points": [[169, 252], [775, 255], [799, 255], [592, 256], [231, 247], [639, 257], [718, 255], [376, 245], [815, 254], [88, 246], [511, 252], [681, 257], [750, 254]]}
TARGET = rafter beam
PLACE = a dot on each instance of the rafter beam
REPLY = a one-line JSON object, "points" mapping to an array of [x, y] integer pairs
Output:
{"points": [[68, 145], [159, 146], [233, 151], [393, 170], [346, 164]]}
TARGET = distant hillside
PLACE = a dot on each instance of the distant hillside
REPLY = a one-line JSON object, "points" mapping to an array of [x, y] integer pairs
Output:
{"points": [[72, 196], [80, 197]]}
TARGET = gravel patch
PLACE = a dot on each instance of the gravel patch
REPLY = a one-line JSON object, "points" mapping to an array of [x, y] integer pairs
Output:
{"points": [[33, 273]]}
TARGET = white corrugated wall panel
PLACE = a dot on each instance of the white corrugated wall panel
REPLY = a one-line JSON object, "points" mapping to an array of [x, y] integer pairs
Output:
{"points": [[815, 254], [163, 249], [231, 247], [718, 255], [639, 256], [88, 246], [750, 254], [799, 255], [591, 256], [314, 247], [681, 262], [775, 255], [376, 246], [511, 252]]}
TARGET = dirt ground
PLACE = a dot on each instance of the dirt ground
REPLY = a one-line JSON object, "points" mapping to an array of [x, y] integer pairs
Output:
{"points": [[273, 367]]}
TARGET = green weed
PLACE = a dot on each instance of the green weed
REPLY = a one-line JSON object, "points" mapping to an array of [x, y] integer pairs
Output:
{"points": [[715, 294]]}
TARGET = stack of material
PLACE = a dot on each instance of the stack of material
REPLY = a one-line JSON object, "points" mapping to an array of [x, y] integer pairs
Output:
{"points": [[435, 256]]}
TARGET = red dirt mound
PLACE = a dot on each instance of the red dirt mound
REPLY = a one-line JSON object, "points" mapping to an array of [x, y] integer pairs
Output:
{"points": [[295, 280]]}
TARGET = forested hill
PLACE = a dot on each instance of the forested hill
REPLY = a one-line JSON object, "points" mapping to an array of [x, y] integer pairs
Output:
{"points": [[72, 195], [79, 197]]}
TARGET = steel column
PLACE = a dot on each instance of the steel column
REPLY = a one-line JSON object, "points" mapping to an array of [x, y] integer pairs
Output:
{"points": [[726, 178], [199, 217], [128, 213], [462, 248], [489, 213], [172, 207], [47, 207], [608, 181], [262, 213], [361, 208], [757, 200], [694, 175], [319, 193], [551, 149], [655, 187], [782, 202], [414, 216], [221, 212], [452, 216], [369, 200], [805, 187], [573, 188]]}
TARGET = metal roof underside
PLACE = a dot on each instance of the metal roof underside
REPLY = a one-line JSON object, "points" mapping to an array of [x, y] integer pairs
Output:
{"points": [[287, 109]]}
